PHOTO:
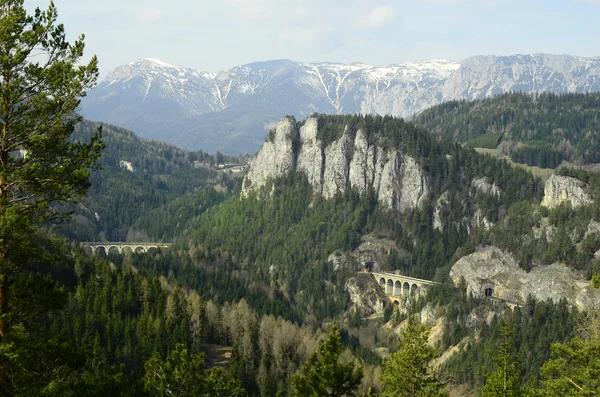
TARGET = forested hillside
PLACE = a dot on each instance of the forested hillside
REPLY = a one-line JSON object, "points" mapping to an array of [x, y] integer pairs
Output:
{"points": [[534, 129], [249, 288], [138, 176], [267, 288]]}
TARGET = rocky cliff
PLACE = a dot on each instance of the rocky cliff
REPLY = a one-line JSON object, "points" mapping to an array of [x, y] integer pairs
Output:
{"points": [[397, 179], [366, 294], [560, 189], [490, 267]]}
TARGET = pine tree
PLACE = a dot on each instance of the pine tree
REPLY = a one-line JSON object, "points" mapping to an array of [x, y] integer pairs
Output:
{"points": [[183, 374], [406, 372], [41, 81], [506, 381], [324, 375], [574, 367]]}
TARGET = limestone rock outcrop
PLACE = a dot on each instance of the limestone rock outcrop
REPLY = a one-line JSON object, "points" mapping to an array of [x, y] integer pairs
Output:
{"points": [[482, 186], [438, 210], [274, 159], [560, 189], [490, 267], [480, 221], [397, 179], [310, 156], [366, 294]]}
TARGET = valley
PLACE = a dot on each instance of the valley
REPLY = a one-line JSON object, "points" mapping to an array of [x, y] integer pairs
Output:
{"points": [[288, 240], [303, 229]]}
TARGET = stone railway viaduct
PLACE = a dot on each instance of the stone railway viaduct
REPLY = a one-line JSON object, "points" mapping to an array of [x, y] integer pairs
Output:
{"points": [[121, 247], [397, 286]]}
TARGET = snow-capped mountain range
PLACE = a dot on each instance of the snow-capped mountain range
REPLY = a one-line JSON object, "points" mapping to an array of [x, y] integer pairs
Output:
{"points": [[233, 110]]}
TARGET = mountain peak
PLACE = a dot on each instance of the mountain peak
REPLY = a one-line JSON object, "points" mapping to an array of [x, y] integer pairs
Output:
{"points": [[153, 61], [199, 109]]}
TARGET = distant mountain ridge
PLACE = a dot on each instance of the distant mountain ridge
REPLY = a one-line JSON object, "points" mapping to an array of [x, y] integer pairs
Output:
{"points": [[233, 110]]}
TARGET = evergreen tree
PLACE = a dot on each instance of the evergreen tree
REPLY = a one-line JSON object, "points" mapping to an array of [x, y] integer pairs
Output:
{"points": [[506, 381], [573, 370], [574, 367], [406, 372], [183, 375], [41, 81], [323, 374]]}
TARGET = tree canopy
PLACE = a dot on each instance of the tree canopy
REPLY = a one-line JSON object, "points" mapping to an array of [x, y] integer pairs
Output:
{"points": [[41, 82]]}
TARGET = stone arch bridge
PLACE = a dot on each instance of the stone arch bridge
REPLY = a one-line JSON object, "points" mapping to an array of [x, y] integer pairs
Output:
{"points": [[122, 247], [397, 286]]}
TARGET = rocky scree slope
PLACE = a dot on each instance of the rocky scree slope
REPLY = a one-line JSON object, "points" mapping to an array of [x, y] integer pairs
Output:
{"points": [[232, 110]]}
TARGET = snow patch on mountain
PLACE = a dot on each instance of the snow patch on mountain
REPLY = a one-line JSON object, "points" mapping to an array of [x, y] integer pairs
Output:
{"points": [[232, 110]]}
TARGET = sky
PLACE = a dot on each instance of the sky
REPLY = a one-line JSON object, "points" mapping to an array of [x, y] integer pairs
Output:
{"points": [[216, 35]]}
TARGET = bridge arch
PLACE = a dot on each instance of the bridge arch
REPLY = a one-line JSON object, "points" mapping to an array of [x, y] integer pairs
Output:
{"points": [[382, 281], [413, 289], [140, 248], [113, 248], [406, 289], [126, 248], [397, 288], [389, 287]]}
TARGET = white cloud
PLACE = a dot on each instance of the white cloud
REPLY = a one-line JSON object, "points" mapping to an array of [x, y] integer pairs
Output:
{"points": [[148, 15], [378, 17], [300, 11], [253, 9], [301, 36]]}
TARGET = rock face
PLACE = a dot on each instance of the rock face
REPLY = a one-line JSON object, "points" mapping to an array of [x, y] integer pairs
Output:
{"points": [[397, 179], [491, 268], [310, 158], [274, 159], [560, 189], [366, 294], [373, 250], [482, 186]]}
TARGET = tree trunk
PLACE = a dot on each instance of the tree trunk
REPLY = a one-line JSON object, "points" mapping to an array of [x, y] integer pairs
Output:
{"points": [[3, 299]]}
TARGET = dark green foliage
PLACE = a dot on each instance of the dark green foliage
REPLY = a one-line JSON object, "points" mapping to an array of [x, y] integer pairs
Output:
{"points": [[324, 375], [542, 156], [288, 240], [183, 375], [406, 371], [536, 326], [573, 370], [42, 80], [488, 141], [288, 233], [506, 380], [140, 204], [574, 367], [536, 129], [361, 352]]}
